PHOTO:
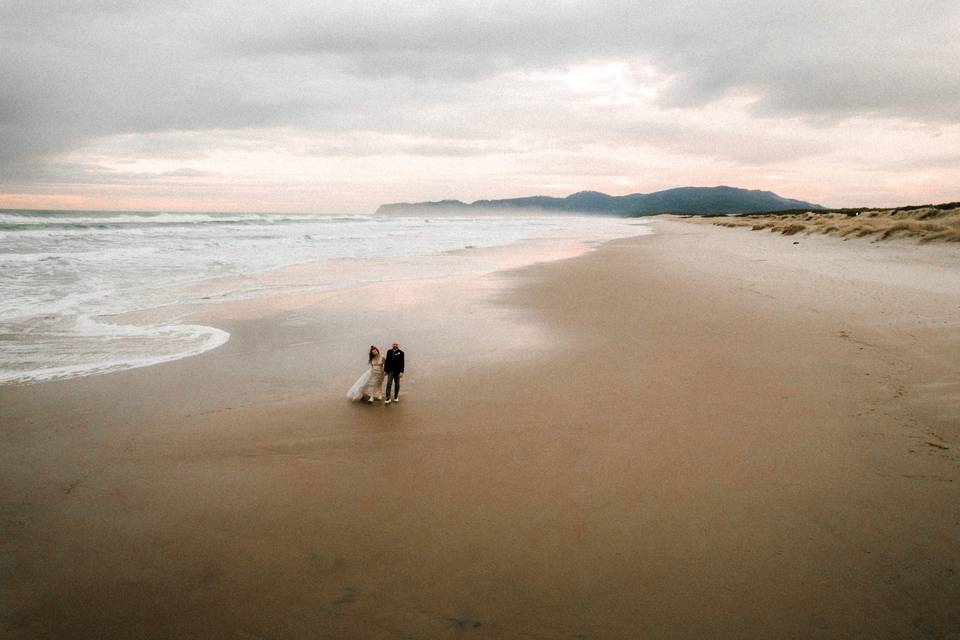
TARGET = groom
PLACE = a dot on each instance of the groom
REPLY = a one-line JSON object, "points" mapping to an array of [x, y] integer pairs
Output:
{"points": [[393, 367]]}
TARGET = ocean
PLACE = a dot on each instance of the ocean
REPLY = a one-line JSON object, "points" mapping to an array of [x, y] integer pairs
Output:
{"points": [[67, 277]]}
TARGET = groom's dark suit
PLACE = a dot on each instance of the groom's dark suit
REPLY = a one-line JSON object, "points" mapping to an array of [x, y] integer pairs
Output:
{"points": [[393, 367]]}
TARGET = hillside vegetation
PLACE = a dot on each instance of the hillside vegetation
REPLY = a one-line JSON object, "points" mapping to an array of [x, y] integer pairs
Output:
{"points": [[696, 200]]}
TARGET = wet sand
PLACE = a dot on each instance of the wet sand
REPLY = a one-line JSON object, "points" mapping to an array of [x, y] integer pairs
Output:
{"points": [[702, 433]]}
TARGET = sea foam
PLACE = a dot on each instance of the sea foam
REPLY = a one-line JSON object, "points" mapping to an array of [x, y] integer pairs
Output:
{"points": [[68, 278]]}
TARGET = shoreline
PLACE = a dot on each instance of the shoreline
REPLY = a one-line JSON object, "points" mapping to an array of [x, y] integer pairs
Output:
{"points": [[278, 282], [694, 433]]}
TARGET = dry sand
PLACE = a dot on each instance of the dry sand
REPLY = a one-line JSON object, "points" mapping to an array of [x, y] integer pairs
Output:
{"points": [[702, 433]]}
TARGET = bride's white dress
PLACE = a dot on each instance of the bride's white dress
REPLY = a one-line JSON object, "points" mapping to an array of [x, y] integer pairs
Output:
{"points": [[370, 383], [356, 391]]}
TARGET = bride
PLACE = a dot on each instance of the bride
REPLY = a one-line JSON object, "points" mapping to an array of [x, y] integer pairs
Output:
{"points": [[370, 384]]}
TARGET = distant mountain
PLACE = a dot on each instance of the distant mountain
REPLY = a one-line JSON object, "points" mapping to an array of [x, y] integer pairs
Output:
{"points": [[696, 200]]}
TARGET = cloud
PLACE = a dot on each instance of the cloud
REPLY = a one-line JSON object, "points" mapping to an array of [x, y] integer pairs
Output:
{"points": [[742, 82], [835, 58], [922, 162], [75, 173]]}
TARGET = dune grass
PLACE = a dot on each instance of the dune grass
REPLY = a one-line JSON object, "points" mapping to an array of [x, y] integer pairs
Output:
{"points": [[925, 223]]}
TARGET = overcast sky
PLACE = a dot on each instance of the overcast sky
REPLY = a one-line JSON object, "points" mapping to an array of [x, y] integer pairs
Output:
{"points": [[290, 105]]}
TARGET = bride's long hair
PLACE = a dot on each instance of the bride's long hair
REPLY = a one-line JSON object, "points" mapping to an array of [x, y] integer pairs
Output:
{"points": [[373, 353]]}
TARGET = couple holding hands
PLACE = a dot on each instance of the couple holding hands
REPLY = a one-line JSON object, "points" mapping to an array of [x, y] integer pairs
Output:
{"points": [[370, 384]]}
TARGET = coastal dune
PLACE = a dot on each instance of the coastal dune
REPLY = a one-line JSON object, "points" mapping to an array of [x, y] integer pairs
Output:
{"points": [[696, 433], [928, 223]]}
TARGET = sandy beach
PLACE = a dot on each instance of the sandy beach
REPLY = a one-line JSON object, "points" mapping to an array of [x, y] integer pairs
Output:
{"points": [[701, 433]]}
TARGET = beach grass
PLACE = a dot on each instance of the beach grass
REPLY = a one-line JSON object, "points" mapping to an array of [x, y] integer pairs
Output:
{"points": [[923, 223]]}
